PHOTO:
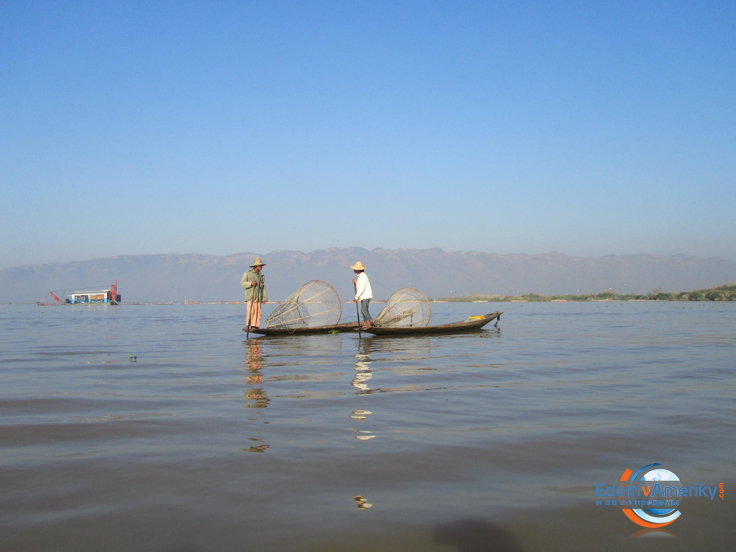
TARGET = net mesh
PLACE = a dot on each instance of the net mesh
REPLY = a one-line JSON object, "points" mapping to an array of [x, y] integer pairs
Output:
{"points": [[405, 309], [316, 303]]}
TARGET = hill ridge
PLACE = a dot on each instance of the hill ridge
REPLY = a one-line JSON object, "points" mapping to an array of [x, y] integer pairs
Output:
{"points": [[437, 273]]}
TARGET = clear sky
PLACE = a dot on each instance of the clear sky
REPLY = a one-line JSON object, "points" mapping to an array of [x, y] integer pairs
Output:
{"points": [[588, 128]]}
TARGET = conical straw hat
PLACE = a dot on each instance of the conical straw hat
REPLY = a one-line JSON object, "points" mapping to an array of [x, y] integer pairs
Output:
{"points": [[358, 266]]}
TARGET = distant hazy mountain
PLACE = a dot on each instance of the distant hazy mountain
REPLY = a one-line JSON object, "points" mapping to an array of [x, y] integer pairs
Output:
{"points": [[435, 272]]}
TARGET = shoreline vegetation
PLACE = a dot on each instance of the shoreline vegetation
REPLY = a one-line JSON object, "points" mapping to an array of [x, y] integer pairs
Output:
{"points": [[719, 293]]}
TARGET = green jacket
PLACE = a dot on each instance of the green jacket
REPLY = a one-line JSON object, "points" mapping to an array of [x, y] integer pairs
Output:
{"points": [[259, 289]]}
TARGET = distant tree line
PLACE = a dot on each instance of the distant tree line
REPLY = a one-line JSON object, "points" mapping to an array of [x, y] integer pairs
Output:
{"points": [[719, 293]]}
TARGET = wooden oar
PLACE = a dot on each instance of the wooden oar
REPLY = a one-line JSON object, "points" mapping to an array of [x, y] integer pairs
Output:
{"points": [[357, 311]]}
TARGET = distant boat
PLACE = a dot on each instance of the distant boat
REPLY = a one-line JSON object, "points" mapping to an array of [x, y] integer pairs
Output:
{"points": [[108, 296]]}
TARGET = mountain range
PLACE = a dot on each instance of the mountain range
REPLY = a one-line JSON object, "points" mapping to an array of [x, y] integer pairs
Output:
{"points": [[437, 273]]}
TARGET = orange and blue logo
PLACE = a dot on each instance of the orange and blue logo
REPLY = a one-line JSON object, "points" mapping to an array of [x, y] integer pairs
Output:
{"points": [[661, 493], [651, 496]]}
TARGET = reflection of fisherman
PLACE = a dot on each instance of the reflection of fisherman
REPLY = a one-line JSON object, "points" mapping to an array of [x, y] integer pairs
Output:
{"points": [[363, 371], [254, 361], [363, 292], [258, 396], [255, 293], [255, 398]]}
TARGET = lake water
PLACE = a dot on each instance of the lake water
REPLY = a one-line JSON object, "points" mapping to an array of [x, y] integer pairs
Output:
{"points": [[160, 428]]}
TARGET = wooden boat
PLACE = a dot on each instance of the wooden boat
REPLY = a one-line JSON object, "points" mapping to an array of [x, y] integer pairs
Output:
{"points": [[474, 323], [345, 327]]}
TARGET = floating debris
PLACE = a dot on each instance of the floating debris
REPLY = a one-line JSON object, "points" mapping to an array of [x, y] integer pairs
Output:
{"points": [[259, 448], [361, 503]]}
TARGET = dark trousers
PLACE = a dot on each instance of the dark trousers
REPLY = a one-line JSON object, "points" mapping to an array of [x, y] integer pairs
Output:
{"points": [[364, 309]]}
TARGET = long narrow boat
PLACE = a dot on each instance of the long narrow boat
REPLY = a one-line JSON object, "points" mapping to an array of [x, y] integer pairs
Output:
{"points": [[454, 327], [332, 328]]}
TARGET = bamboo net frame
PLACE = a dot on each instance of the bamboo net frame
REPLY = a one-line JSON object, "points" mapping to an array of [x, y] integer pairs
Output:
{"points": [[316, 303], [406, 308]]}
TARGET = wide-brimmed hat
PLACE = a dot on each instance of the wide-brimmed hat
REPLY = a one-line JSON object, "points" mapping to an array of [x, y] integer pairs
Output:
{"points": [[257, 262], [358, 266]]}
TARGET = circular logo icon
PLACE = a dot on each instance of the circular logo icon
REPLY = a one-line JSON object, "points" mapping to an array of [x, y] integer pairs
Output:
{"points": [[659, 493]]}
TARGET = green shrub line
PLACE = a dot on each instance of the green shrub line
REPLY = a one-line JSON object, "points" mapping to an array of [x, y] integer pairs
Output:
{"points": [[725, 292]]}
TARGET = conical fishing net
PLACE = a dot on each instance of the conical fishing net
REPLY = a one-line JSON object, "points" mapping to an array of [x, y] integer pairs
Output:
{"points": [[316, 303], [405, 309]]}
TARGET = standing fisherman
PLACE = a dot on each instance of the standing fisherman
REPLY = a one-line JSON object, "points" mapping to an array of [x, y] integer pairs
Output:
{"points": [[255, 294], [363, 292]]}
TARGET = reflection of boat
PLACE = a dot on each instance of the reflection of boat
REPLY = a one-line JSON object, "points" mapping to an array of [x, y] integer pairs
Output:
{"points": [[331, 328], [473, 323]]}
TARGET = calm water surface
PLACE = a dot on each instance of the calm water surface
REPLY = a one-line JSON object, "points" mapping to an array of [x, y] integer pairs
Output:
{"points": [[160, 428]]}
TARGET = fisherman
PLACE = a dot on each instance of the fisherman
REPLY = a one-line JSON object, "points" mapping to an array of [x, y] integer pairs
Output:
{"points": [[255, 294], [363, 292]]}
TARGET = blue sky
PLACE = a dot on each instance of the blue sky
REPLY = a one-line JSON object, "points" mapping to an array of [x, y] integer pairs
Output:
{"points": [[587, 128]]}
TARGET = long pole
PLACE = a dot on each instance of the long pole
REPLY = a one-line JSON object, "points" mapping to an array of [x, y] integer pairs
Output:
{"points": [[357, 311]]}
